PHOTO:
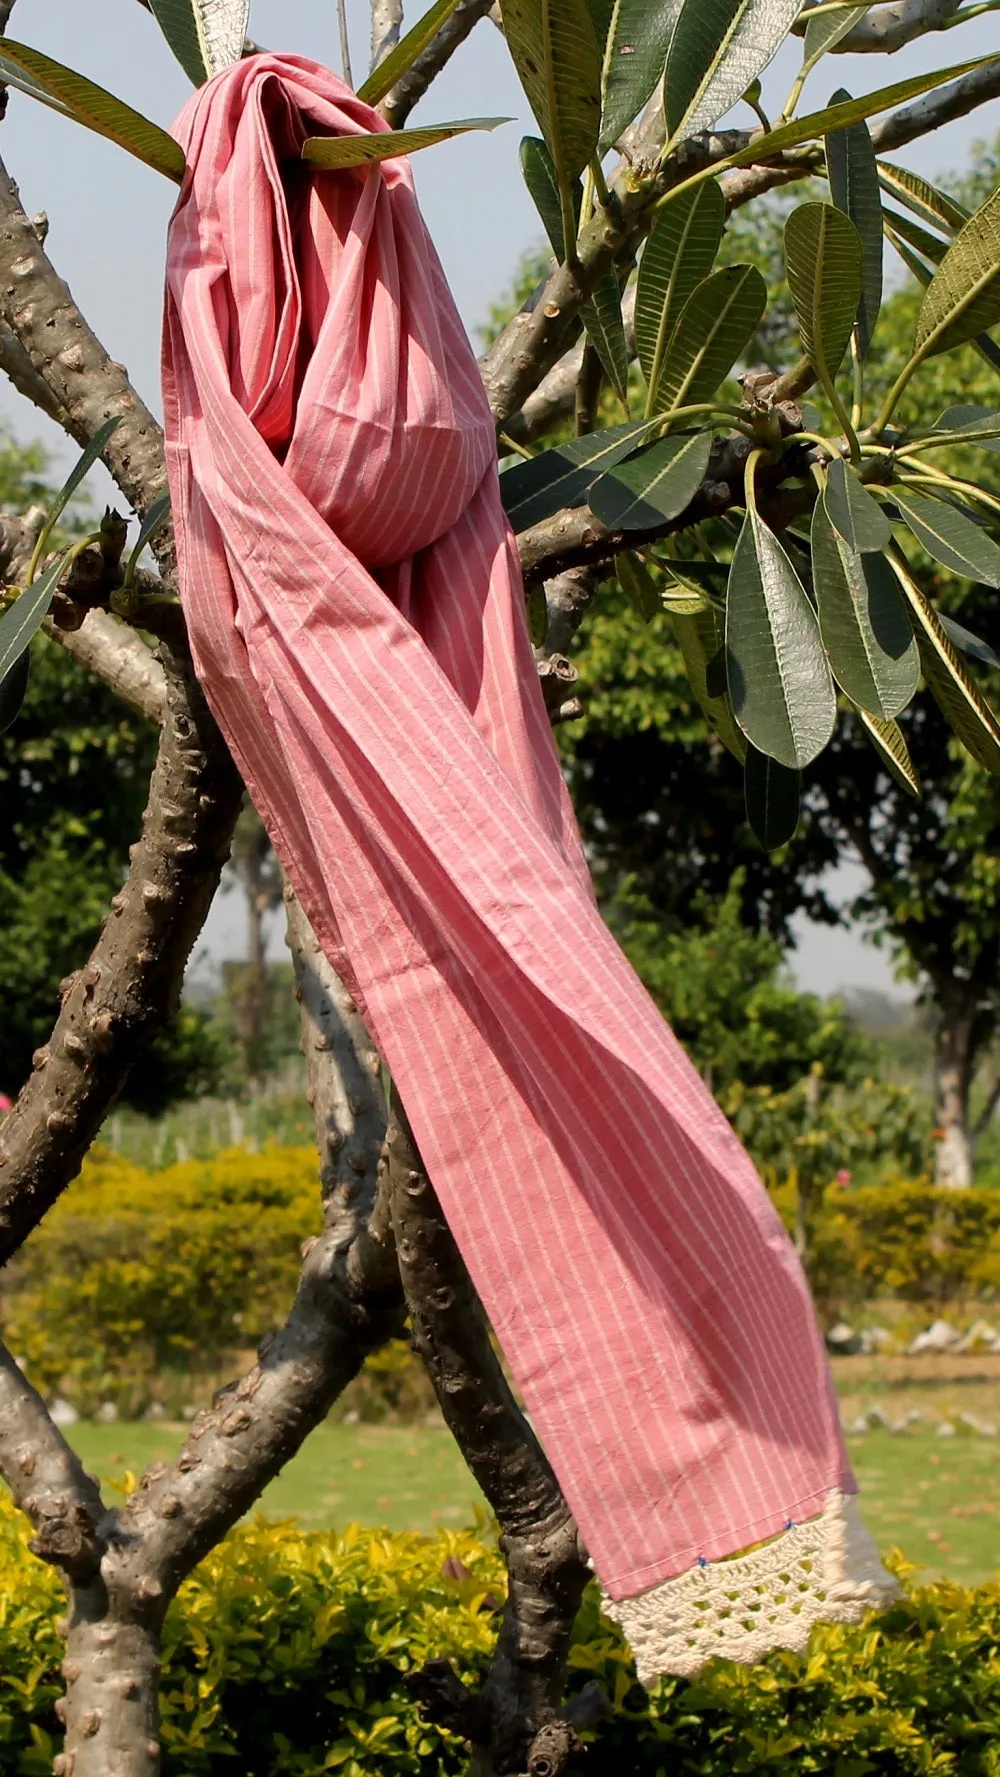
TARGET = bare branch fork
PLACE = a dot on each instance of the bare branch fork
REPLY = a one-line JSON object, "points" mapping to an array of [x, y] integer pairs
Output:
{"points": [[123, 1566]]}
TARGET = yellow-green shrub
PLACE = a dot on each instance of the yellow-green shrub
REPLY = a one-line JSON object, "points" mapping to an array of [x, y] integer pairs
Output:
{"points": [[287, 1653], [907, 1239], [136, 1273]]}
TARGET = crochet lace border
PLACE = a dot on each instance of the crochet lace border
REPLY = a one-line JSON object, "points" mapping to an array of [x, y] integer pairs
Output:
{"points": [[824, 1571]]}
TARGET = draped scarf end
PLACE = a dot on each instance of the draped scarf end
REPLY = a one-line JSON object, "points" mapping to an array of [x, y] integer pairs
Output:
{"points": [[824, 1571]]}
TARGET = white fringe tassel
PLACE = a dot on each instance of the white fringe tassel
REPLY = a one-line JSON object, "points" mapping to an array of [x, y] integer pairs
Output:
{"points": [[824, 1571]]}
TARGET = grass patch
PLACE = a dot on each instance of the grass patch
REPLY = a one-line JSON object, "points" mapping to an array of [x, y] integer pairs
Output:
{"points": [[393, 1476], [937, 1499]]}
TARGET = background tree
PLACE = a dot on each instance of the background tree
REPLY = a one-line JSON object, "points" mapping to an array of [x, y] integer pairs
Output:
{"points": [[74, 778], [249, 985], [659, 805], [933, 896], [384, 1249]]}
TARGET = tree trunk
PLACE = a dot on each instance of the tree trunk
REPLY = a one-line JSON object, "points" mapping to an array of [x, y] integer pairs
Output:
{"points": [[255, 984], [954, 1059], [248, 984], [112, 1673]]}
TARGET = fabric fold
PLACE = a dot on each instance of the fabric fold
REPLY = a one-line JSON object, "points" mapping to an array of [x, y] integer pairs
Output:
{"points": [[356, 616]]}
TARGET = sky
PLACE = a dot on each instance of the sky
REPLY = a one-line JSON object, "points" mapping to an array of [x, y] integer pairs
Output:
{"points": [[108, 217]]}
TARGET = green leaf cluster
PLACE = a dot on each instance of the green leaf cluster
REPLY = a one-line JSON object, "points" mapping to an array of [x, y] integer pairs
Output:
{"points": [[288, 1652], [905, 1239], [724, 991], [138, 1274]]}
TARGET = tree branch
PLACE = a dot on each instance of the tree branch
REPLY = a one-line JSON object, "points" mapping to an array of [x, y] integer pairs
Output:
{"points": [[387, 18], [553, 399], [397, 104], [17, 366], [533, 339], [180, 1511], [937, 108], [887, 28], [347, 1303], [519, 1704], [345, 1070], [70, 360], [133, 978], [988, 1111], [46, 1478], [121, 658], [348, 1299]]}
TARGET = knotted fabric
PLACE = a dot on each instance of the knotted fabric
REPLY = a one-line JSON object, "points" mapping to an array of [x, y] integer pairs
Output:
{"points": [[356, 614]]}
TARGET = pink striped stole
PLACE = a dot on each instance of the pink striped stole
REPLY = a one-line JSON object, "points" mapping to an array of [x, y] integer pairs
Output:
{"points": [[354, 603]]}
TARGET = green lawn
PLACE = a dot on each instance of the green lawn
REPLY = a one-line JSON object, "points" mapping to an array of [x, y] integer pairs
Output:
{"points": [[937, 1499], [403, 1477]]}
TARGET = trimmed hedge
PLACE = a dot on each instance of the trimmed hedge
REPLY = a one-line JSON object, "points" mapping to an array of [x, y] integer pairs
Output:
{"points": [[287, 1652], [143, 1286], [906, 1239], [137, 1275]]}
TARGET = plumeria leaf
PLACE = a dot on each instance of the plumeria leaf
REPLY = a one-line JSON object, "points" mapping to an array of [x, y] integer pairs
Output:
{"points": [[158, 511], [965, 425], [538, 616], [967, 643], [963, 297], [986, 347], [699, 637], [635, 51], [82, 467], [717, 49], [205, 35], [23, 620], [773, 796], [22, 82], [852, 509], [923, 198], [852, 171], [544, 484], [951, 537], [960, 701], [555, 52], [705, 577], [889, 742], [716, 323], [602, 313], [13, 689], [864, 622], [332, 152], [932, 246], [679, 253], [825, 32], [658, 483], [823, 254], [837, 117], [638, 586], [779, 681], [98, 110]]}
